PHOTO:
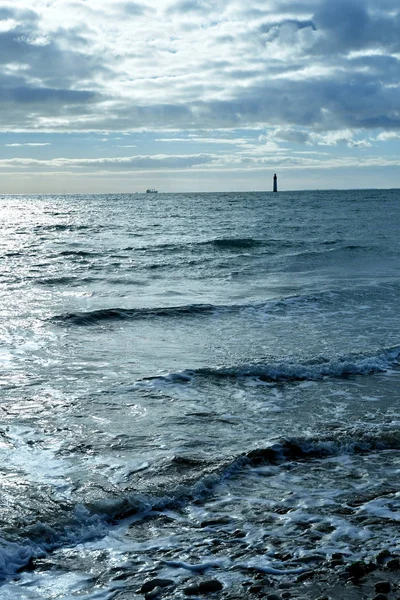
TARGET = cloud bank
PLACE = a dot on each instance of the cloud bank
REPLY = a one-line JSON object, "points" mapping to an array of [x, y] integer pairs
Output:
{"points": [[86, 65]]}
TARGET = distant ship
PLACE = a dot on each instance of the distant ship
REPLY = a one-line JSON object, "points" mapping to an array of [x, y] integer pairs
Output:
{"points": [[151, 191]]}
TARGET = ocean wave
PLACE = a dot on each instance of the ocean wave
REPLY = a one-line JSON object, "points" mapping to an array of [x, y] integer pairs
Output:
{"points": [[61, 227], [96, 317], [352, 441], [13, 558], [292, 303], [301, 248], [234, 243], [334, 252], [183, 480], [221, 243], [77, 525], [345, 299], [317, 369], [64, 280], [78, 253]]}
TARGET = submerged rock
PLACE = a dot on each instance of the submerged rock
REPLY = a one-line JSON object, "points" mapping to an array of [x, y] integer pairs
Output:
{"points": [[393, 564], [256, 588], [358, 569], [305, 575], [203, 587], [150, 585], [383, 556], [211, 585], [191, 590], [216, 521], [239, 533], [153, 594], [383, 587]]}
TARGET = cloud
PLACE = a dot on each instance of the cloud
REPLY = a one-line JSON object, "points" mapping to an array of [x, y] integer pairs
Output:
{"points": [[292, 135], [384, 136], [31, 95], [223, 163], [345, 23], [307, 70], [357, 24], [188, 6], [196, 139], [130, 8], [139, 162], [359, 144], [29, 144]]}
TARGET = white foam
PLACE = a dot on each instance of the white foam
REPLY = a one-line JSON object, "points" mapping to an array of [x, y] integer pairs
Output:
{"points": [[286, 370], [37, 463], [200, 567], [268, 567], [54, 584], [387, 507]]}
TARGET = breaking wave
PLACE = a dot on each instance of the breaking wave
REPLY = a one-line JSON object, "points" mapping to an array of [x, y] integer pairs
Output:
{"points": [[349, 442], [190, 481], [186, 480], [291, 371]]}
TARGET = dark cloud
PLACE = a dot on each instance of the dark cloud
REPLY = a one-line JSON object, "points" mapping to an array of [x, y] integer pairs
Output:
{"points": [[343, 20], [27, 15], [46, 72], [323, 103], [356, 24], [30, 95], [49, 62]]}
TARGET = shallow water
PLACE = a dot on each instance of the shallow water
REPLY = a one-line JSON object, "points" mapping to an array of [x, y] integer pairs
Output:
{"points": [[178, 360]]}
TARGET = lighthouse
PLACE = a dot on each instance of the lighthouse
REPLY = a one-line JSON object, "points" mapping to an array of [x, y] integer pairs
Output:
{"points": [[275, 183]]}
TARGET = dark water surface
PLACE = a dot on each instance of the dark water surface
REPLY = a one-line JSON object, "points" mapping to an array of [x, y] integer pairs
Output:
{"points": [[177, 369]]}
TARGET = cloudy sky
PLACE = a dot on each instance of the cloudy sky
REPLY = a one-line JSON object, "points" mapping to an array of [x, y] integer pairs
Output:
{"points": [[198, 95]]}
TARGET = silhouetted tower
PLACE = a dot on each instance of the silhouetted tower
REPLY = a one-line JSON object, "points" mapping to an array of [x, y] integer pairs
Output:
{"points": [[275, 183]]}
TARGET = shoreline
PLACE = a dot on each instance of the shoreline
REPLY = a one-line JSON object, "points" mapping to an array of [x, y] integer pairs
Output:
{"points": [[332, 580]]}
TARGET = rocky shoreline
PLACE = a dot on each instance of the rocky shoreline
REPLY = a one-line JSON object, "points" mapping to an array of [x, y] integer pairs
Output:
{"points": [[332, 580]]}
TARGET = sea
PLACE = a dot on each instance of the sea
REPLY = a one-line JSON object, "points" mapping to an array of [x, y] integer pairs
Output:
{"points": [[196, 386]]}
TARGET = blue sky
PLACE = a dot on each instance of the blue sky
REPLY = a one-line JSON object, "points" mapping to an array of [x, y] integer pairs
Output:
{"points": [[198, 95]]}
